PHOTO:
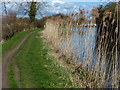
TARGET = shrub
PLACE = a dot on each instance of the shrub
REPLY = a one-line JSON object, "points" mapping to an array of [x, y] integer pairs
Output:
{"points": [[11, 25], [41, 22]]}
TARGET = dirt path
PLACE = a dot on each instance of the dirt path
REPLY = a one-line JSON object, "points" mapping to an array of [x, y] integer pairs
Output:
{"points": [[6, 60], [17, 75]]}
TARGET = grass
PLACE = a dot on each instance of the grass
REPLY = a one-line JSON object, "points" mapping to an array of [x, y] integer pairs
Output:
{"points": [[12, 42], [7, 46], [11, 76], [95, 75], [37, 68]]}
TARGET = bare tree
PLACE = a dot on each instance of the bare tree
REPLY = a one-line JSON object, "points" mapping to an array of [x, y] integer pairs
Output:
{"points": [[5, 8], [25, 7]]}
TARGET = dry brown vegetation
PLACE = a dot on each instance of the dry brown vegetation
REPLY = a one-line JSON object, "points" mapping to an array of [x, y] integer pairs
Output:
{"points": [[55, 36], [58, 29], [108, 42], [11, 25], [105, 71]]}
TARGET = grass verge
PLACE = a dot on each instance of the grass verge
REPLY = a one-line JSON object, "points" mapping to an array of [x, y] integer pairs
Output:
{"points": [[37, 68], [12, 42], [11, 76]]}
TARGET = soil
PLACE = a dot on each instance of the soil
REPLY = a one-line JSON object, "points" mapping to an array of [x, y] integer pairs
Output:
{"points": [[5, 64]]}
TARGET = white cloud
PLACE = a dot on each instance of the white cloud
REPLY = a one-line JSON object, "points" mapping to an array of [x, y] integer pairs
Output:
{"points": [[60, 1], [84, 5], [21, 1], [66, 7], [58, 7], [64, 10], [74, 6], [57, 1]]}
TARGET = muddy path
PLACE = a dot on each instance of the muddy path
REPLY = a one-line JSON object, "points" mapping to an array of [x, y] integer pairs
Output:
{"points": [[5, 63]]}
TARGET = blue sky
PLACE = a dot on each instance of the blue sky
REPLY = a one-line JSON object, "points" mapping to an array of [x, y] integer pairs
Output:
{"points": [[62, 0], [57, 6], [65, 6], [80, 0]]}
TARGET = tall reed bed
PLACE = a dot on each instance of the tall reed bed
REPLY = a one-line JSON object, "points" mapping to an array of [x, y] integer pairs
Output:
{"points": [[95, 67], [108, 45]]}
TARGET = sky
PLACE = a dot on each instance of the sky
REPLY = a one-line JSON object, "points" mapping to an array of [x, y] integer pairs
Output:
{"points": [[60, 1], [64, 6]]}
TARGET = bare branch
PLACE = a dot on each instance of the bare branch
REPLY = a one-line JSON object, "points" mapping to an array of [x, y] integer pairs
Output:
{"points": [[5, 8]]}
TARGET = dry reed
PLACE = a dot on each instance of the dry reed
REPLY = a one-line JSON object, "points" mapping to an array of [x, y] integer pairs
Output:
{"points": [[105, 70]]}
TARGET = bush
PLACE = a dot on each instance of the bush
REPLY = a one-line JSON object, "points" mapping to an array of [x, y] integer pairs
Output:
{"points": [[11, 25], [41, 22]]}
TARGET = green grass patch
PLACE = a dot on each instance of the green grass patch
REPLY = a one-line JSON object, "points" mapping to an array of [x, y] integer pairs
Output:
{"points": [[12, 42], [7, 46], [37, 68], [11, 76]]}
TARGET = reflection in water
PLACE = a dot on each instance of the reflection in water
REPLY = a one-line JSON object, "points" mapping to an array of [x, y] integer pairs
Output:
{"points": [[82, 47]]}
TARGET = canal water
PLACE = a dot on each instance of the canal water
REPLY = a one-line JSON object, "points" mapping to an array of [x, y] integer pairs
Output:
{"points": [[81, 44]]}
